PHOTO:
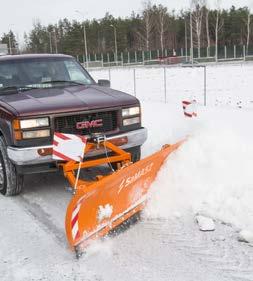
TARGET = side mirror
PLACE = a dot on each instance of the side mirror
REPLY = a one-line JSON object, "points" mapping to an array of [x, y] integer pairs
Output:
{"points": [[104, 83]]}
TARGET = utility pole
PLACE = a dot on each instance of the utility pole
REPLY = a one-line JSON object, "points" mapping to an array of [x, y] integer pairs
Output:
{"points": [[10, 49], [50, 42], [186, 47], [55, 40], [115, 44], [84, 39], [85, 45], [191, 38]]}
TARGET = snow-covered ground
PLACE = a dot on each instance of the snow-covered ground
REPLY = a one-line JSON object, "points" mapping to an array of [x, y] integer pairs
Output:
{"points": [[210, 175]]}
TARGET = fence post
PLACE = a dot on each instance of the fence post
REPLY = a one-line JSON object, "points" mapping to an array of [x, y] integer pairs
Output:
{"points": [[225, 51], [166, 52], [234, 51], [109, 74], [204, 85], [128, 57], [165, 86], [150, 55], [134, 82], [95, 57], [108, 58], [102, 59], [135, 56], [143, 57], [157, 54], [244, 53], [122, 58], [182, 52]]}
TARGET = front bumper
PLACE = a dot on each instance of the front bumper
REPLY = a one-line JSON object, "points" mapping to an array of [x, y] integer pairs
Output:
{"points": [[30, 155]]}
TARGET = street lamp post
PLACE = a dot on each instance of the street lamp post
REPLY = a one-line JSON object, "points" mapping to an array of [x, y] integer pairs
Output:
{"points": [[10, 48], [115, 43], [55, 41], [50, 42], [186, 38], [85, 39]]}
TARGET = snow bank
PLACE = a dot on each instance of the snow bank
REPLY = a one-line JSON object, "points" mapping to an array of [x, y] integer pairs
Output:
{"points": [[211, 173]]}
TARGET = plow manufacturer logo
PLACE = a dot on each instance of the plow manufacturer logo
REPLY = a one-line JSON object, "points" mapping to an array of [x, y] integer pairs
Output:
{"points": [[104, 212], [132, 179]]}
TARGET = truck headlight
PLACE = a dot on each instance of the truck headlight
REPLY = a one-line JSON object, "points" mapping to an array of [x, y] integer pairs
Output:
{"points": [[31, 128], [131, 121], [131, 111], [36, 134], [34, 123]]}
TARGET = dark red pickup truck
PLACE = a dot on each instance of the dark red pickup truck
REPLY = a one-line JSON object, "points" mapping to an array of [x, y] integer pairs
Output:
{"points": [[43, 94]]}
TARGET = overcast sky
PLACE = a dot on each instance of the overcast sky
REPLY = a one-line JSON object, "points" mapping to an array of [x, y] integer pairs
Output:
{"points": [[19, 15]]}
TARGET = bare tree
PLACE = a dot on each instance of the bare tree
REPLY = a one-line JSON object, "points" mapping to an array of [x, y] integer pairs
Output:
{"points": [[218, 27], [248, 30], [161, 24], [148, 25], [191, 36], [197, 16], [207, 31]]}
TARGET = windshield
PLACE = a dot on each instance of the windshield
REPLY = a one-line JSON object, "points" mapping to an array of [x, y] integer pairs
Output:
{"points": [[42, 73]]}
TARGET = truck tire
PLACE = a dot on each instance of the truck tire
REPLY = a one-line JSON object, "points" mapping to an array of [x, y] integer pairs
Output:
{"points": [[11, 183]]}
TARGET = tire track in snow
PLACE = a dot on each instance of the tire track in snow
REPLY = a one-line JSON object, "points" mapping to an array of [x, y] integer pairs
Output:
{"points": [[43, 218], [218, 250]]}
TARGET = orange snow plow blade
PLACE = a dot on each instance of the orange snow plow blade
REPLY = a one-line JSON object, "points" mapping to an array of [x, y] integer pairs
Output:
{"points": [[98, 207]]}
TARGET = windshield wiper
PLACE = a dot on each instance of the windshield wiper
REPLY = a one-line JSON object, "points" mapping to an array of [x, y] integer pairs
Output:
{"points": [[62, 81], [6, 90]]}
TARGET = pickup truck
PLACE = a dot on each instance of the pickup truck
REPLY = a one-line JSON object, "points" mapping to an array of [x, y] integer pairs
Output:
{"points": [[45, 93]]}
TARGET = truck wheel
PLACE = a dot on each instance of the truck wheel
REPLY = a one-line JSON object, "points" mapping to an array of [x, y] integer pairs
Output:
{"points": [[11, 183]]}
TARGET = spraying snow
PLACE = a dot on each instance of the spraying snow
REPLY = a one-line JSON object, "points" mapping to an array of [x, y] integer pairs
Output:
{"points": [[211, 173]]}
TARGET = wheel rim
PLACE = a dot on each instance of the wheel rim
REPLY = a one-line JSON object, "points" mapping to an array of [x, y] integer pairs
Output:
{"points": [[1, 176]]}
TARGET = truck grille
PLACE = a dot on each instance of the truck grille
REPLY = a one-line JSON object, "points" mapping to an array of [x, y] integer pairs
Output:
{"points": [[67, 124]]}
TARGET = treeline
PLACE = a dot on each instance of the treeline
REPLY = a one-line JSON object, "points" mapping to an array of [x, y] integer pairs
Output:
{"points": [[154, 28]]}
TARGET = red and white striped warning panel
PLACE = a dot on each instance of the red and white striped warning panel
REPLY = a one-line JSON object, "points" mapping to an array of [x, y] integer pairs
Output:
{"points": [[74, 220], [190, 108], [68, 147]]}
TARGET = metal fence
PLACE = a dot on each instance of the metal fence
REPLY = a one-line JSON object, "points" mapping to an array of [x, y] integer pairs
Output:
{"points": [[225, 53], [214, 84]]}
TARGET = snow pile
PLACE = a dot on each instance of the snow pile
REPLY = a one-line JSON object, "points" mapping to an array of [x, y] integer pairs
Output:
{"points": [[205, 224], [211, 173], [246, 236]]}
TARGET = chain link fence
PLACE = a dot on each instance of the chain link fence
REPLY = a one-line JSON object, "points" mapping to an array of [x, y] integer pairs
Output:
{"points": [[154, 57], [212, 85]]}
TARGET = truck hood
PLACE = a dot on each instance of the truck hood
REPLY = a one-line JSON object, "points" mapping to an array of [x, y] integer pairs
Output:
{"points": [[64, 99]]}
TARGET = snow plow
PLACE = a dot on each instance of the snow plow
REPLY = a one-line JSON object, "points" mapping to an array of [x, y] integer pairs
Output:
{"points": [[100, 205]]}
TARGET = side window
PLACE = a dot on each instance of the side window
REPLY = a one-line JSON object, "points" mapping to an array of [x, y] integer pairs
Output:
{"points": [[75, 73]]}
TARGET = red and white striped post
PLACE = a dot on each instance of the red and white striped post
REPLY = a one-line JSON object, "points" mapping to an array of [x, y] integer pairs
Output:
{"points": [[190, 108]]}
